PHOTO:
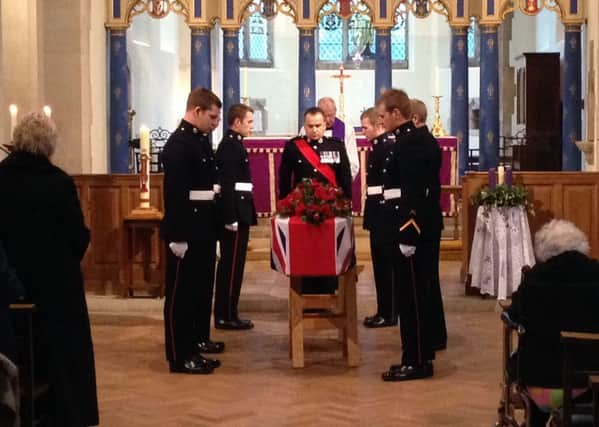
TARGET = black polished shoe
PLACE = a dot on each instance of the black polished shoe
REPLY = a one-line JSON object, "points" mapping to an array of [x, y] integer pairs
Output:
{"points": [[408, 372], [378, 321], [399, 367], [233, 324], [210, 346], [195, 365]]}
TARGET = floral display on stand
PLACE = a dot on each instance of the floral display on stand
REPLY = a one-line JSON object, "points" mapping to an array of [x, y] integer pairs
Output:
{"points": [[314, 202]]}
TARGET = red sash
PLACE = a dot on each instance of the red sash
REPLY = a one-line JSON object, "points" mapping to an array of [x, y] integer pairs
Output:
{"points": [[314, 159]]}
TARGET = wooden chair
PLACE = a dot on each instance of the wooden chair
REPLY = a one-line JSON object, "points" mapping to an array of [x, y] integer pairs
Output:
{"points": [[339, 312], [31, 391], [578, 369]]}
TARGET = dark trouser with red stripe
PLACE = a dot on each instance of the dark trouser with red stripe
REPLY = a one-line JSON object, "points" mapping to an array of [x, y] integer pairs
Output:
{"points": [[413, 292], [188, 303], [229, 274], [381, 251], [439, 328]]}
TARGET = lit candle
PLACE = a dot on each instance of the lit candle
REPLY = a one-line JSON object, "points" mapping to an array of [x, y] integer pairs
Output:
{"points": [[13, 118], [500, 175], [144, 160], [437, 81], [47, 111]]}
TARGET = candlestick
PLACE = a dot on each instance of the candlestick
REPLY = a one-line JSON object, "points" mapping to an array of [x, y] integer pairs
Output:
{"points": [[13, 118], [492, 178], [438, 130], [47, 111], [144, 159], [500, 175]]}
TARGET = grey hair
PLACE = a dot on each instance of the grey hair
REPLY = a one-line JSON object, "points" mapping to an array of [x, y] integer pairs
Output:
{"points": [[559, 236], [326, 100], [36, 134]]}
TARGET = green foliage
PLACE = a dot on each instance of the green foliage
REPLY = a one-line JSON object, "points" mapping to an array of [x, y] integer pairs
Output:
{"points": [[501, 196]]}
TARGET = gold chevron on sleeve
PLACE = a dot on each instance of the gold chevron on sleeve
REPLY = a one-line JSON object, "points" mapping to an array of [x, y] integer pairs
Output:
{"points": [[408, 223]]}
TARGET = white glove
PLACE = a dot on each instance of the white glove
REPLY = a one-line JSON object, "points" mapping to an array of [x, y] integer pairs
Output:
{"points": [[232, 227], [407, 250], [178, 248]]}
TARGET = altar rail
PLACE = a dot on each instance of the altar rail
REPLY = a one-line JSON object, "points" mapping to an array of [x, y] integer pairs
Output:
{"points": [[105, 201], [573, 196]]}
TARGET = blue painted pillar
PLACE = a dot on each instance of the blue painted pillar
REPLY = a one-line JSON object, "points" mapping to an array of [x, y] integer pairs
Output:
{"points": [[382, 70], [201, 67], [307, 73], [459, 94], [571, 99], [230, 69], [119, 102], [489, 98]]}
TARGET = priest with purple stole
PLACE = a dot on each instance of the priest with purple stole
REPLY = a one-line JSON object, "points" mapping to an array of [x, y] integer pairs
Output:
{"points": [[337, 129]]}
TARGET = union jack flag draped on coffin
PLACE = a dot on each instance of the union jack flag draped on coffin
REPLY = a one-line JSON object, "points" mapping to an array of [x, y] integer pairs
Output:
{"points": [[301, 249]]}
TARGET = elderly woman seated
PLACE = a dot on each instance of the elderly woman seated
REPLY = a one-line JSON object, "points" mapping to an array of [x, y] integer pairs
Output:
{"points": [[561, 292]]}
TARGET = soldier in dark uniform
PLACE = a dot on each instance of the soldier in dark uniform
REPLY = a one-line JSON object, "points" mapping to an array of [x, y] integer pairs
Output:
{"points": [[381, 246], [237, 213], [189, 229], [414, 225], [419, 115], [304, 157]]}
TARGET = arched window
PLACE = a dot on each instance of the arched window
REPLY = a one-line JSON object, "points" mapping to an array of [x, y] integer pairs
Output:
{"points": [[256, 41], [352, 41], [473, 44]]}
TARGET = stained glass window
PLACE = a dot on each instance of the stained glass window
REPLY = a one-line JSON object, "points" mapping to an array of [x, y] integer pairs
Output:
{"points": [[473, 36], [255, 42], [399, 38], [352, 41]]}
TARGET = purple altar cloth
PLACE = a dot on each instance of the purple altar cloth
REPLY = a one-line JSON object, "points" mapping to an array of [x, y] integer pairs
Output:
{"points": [[265, 153]]}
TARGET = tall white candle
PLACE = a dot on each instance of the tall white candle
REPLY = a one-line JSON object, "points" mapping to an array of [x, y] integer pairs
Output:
{"points": [[13, 118], [47, 111], [144, 157], [437, 81], [500, 175]]}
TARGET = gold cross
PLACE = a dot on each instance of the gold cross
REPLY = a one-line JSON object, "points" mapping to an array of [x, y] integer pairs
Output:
{"points": [[341, 76]]}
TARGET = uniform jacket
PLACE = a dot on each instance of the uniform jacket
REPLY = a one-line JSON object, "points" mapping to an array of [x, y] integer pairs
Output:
{"points": [[45, 237], [295, 167], [374, 205], [413, 168], [234, 167], [189, 165]]}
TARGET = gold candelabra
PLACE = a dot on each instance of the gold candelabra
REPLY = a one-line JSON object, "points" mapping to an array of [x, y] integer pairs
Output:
{"points": [[437, 126]]}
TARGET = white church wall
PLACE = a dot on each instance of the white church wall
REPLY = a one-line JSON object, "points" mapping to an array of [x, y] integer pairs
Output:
{"points": [[278, 85], [429, 50], [159, 65]]}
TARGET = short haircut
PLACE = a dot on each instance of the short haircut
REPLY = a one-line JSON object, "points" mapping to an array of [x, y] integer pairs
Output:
{"points": [[326, 100], [203, 98], [312, 111], [238, 111], [396, 99], [36, 133], [370, 114], [419, 109]]}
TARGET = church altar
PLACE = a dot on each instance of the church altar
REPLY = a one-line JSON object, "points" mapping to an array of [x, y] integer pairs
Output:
{"points": [[265, 152]]}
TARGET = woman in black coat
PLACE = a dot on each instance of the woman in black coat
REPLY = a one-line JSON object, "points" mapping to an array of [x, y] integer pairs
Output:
{"points": [[45, 238]]}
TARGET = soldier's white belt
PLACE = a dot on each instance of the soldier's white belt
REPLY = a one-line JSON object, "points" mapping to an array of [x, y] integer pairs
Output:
{"points": [[374, 190], [243, 186], [392, 193], [201, 195]]}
